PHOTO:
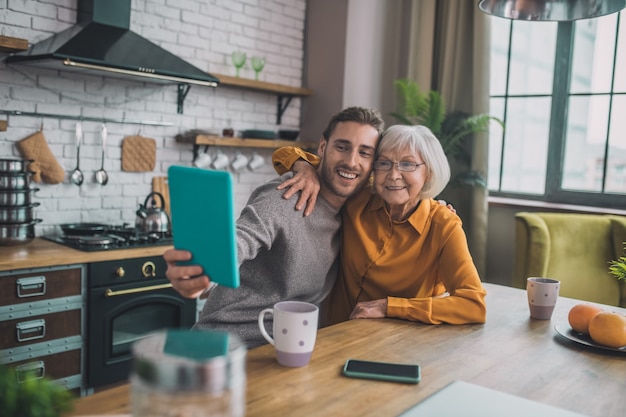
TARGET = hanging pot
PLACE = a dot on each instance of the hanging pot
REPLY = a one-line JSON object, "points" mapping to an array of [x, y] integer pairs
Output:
{"points": [[152, 218]]}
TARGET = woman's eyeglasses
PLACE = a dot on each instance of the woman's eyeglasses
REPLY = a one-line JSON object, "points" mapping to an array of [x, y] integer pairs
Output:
{"points": [[404, 166]]}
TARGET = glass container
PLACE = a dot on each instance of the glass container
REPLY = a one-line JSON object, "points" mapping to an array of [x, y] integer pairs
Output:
{"points": [[188, 373]]}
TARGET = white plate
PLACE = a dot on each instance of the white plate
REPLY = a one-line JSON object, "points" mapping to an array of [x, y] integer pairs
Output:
{"points": [[574, 336]]}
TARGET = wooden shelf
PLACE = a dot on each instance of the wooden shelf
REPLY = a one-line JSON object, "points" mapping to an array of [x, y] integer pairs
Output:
{"points": [[285, 90], [210, 140], [9, 44], [284, 93]]}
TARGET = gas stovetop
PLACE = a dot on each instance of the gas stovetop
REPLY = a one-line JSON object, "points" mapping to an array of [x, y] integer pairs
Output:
{"points": [[111, 238]]}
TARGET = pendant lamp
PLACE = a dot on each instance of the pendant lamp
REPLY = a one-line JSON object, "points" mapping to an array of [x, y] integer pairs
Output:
{"points": [[550, 10]]}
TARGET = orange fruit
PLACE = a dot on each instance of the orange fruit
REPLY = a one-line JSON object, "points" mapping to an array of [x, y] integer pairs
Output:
{"points": [[608, 328], [580, 315]]}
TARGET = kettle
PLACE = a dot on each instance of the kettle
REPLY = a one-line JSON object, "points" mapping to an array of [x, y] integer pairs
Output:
{"points": [[152, 218]]}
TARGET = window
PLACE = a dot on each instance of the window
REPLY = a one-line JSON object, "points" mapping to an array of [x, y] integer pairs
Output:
{"points": [[560, 88]]}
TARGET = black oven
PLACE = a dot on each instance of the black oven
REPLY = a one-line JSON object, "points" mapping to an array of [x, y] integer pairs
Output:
{"points": [[127, 300]]}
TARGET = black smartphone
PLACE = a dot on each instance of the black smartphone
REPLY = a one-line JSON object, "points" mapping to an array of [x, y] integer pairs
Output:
{"points": [[396, 372]]}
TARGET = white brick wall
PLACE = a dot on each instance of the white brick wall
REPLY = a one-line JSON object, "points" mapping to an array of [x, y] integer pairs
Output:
{"points": [[202, 32]]}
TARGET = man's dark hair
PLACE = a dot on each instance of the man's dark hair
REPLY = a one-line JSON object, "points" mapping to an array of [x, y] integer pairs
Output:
{"points": [[360, 115]]}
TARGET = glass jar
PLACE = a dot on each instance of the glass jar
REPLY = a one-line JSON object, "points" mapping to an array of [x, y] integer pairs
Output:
{"points": [[181, 373], [228, 131]]}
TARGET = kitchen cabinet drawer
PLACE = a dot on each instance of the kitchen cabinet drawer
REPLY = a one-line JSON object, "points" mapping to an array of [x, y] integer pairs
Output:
{"points": [[42, 322], [39, 285], [42, 328], [56, 366]]}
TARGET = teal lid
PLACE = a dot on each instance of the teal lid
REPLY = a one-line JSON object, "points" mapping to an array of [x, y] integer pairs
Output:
{"points": [[197, 345]]}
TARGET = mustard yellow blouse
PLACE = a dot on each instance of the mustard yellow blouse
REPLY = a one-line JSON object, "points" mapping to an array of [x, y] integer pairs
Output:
{"points": [[421, 265]]}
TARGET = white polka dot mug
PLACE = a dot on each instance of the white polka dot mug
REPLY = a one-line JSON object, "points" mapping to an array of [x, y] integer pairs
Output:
{"points": [[542, 296], [294, 330]]}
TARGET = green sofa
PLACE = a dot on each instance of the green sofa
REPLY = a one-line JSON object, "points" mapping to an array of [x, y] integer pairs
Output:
{"points": [[573, 248]]}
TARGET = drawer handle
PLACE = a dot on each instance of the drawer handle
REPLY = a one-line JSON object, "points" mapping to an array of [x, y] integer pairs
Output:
{"points": [[31, 287], [110, 293], [26, 329], [30, 371]]}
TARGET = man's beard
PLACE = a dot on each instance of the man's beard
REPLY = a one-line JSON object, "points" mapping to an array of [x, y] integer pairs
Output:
{"points": [[326, 178]]}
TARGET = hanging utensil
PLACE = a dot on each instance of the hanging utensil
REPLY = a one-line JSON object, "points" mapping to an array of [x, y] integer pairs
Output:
{"points": [[101, 176], [77, 175]]}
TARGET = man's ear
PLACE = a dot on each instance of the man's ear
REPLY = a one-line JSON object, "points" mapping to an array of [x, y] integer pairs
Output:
{"points": [[322, 146]]}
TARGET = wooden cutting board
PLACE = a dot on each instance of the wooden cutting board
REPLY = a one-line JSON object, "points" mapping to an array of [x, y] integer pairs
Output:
{"points": [[160, 185]]}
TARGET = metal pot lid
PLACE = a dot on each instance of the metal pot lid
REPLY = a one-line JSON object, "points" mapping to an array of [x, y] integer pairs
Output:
{"points": [[27, 206], [18, 190], [15, 174], [18, 225]]}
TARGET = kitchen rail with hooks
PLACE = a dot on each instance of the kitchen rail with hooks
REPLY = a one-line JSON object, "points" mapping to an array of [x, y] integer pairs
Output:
{"points": [[86, 118]]}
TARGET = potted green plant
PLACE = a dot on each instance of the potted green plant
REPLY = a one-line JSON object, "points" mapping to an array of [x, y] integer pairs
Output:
{"points": [[617, 268], [33, 397], [452, 129]]}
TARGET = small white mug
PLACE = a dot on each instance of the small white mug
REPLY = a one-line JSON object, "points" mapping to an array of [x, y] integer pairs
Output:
{"points": [[239, 162], [542, 296], [294, 329], [221, 161], [256, 162], [203, 160]]}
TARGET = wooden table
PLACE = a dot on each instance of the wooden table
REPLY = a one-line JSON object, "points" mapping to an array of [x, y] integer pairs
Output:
{"points": [[510, 353]]}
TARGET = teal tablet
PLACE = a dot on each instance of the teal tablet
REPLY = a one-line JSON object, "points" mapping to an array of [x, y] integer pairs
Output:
{"points": [[203, 221]]}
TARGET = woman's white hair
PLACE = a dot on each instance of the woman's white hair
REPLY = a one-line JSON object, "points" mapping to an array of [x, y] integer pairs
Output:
{"points": [[420, 141]]}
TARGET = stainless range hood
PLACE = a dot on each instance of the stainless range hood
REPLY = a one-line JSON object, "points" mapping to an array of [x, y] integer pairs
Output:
{"points": [[101, 41]]}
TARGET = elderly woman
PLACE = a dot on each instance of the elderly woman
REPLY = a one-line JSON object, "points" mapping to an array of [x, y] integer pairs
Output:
{"points": [[403, 255]]}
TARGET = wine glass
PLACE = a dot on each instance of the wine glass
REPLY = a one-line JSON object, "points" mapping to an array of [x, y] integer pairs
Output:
{"points": [[239, 59], [257, 65]]}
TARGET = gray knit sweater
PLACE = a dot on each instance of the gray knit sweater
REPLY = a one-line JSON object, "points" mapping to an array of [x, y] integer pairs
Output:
{"points": [[282, 256]]}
